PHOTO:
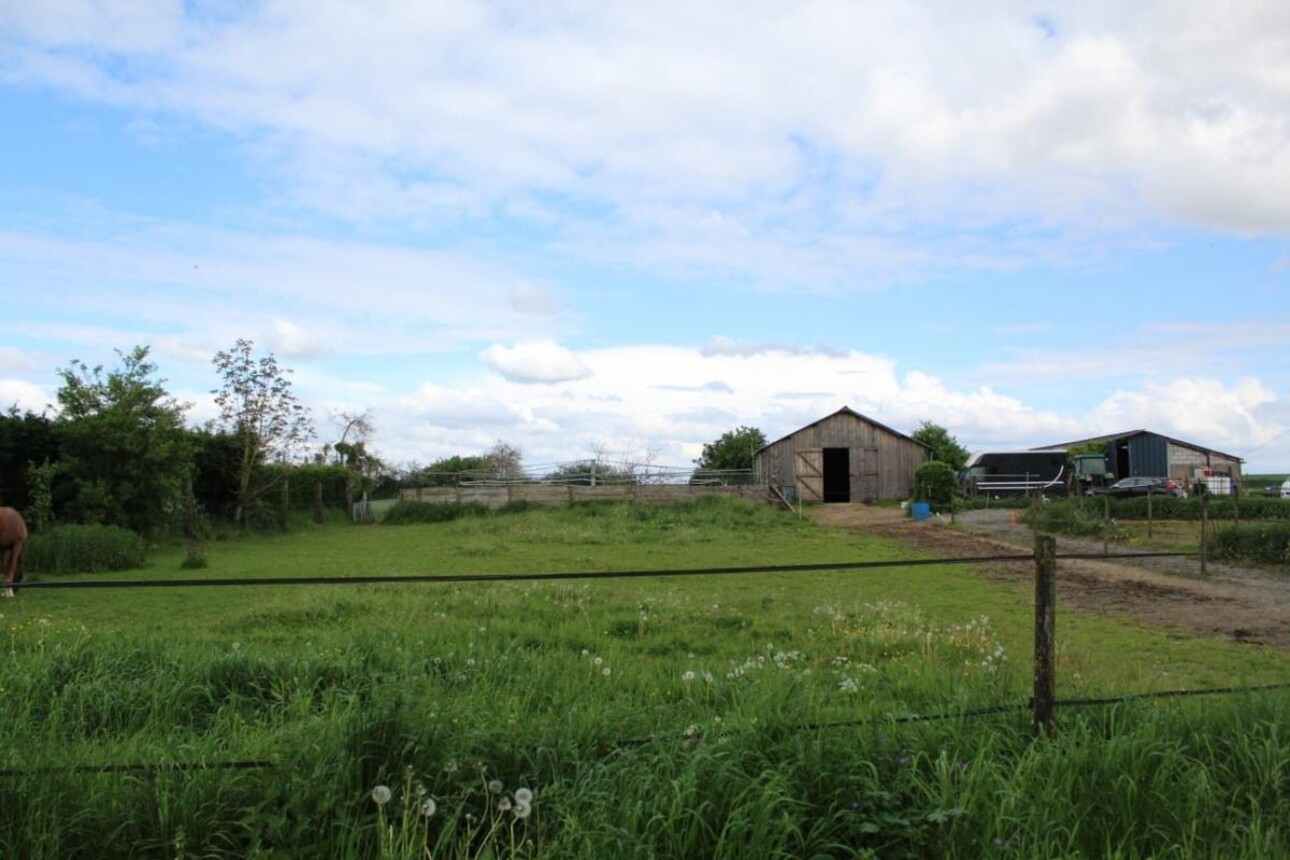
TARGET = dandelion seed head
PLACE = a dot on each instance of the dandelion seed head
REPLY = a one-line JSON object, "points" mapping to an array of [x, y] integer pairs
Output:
{"points": [[495, 786], [382, 794], [687, 677], [521, 810], [523, 795], [429, 807], [606, 671]]}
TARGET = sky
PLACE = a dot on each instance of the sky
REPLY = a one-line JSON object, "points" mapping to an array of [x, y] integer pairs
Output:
{"points": [[622, 229]]}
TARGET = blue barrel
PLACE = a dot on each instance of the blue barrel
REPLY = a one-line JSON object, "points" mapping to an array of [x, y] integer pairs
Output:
{"points": [[921, 510]]}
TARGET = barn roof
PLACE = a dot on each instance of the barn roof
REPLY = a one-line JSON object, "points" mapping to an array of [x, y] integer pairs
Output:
{"points": [[845, 410], [1110, 437]]}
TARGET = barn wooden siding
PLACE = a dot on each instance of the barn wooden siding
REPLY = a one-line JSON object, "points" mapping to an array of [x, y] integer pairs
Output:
{"points": [[881, 461]]}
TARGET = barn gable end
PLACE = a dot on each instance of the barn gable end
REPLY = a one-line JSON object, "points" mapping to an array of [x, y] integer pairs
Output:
{"points": [[843, 457]]}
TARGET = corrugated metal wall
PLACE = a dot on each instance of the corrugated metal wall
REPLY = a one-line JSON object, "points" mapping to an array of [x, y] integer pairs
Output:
{"points": [[882, 464], [1148, 456]]}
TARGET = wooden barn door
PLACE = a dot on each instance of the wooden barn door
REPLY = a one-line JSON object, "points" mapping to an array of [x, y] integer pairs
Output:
{"points": [[809, 466], [870, 480]]}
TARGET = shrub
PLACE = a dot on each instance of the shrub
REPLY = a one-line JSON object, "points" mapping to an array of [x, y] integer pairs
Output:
{"points": [[418, 513], [1220, 508], [1265, 542], [1077, 517], [935, 482], [84, 549]]}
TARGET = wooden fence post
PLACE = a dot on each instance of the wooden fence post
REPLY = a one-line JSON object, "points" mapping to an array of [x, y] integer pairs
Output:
{"points": [[286, 503], [318, 504], [1045, 632], [190, 518], [1204, 532], [1106, 522], [1149, 521]]}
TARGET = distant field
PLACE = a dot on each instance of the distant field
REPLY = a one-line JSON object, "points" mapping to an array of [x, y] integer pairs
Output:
{"points": [[653, 717]]}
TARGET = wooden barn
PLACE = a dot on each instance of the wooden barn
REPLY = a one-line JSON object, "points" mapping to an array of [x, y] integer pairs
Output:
{"points": [[844, 457]]}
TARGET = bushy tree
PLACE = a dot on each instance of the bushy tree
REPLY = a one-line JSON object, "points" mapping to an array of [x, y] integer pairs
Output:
{"points": [[125, 447], [261, 412], [27, 441], [506, 461], [935, 482], [945, 448], [592, 473], [735, 449]]}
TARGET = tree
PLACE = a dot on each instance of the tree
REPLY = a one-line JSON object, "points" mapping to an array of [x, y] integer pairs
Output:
{"points": [[935, 482], [735, 449], [506, 461], [351, 452], [259, 409], [945, 448], [27, 441], [125, 447]]}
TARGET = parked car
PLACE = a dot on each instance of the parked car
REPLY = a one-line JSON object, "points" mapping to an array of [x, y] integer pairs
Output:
{"points": [[1273, 490], [1140, 486]]}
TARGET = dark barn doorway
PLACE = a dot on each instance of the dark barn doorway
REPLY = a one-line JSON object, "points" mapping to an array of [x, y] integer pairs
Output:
{"points": [[837, 474]]}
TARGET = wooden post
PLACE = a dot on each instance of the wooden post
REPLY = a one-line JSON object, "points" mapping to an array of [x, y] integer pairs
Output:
{"points": [[1149, 494], [190, 517], [1204, 532], [318, 505], [1106, 522], [1045, 694], [286, 503]]}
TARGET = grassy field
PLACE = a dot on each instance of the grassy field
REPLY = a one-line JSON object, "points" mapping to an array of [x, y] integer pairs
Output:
{"points": [[751, 716]]}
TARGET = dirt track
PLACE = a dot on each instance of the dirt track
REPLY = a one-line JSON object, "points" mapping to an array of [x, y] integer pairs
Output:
{"points": [[1240, 604]]}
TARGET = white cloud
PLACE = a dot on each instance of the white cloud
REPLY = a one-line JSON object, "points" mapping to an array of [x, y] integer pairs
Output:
{"points": [[800, 145], [24, 395], [292, 340], [1202, 410], [535, 361]]}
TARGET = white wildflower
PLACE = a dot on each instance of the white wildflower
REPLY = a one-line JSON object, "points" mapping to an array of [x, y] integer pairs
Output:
{"points": [[382, 794]]}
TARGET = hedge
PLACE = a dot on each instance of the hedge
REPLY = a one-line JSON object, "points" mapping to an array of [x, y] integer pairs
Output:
{"points": [[1264, 542], [1220, 508]]}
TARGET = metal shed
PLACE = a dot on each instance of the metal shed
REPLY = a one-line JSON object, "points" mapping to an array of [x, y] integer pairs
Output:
{"points": [[1141, 453], [843, 457]]}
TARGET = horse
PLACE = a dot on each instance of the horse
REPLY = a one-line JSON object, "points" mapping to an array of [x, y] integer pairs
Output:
{"points": [[13, 539]]}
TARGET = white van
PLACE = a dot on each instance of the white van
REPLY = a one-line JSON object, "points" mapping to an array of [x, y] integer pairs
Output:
{"points": [[1285, 489]]}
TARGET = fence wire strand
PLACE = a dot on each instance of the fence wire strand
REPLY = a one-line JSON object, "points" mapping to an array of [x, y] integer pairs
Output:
{"points": [[410, 579]]}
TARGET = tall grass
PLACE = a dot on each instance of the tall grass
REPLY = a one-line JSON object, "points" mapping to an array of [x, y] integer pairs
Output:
{"points": [[697, 718], [84, 549]]}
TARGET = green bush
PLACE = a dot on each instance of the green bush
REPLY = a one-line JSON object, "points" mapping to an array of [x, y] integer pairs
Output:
{"points": [[84, 549], [418, 513], [935, 482], [1080, 517], [1220, 508], [1265, 542]]}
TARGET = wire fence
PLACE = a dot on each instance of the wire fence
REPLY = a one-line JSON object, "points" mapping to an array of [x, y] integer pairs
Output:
{"points": [[429, 579]]}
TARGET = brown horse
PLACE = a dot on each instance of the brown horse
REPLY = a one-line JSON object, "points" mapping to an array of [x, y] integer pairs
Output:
{"points": [[13, 539]]}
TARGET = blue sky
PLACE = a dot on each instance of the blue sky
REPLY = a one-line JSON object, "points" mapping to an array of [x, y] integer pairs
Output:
{"points": [[623, 229]]}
